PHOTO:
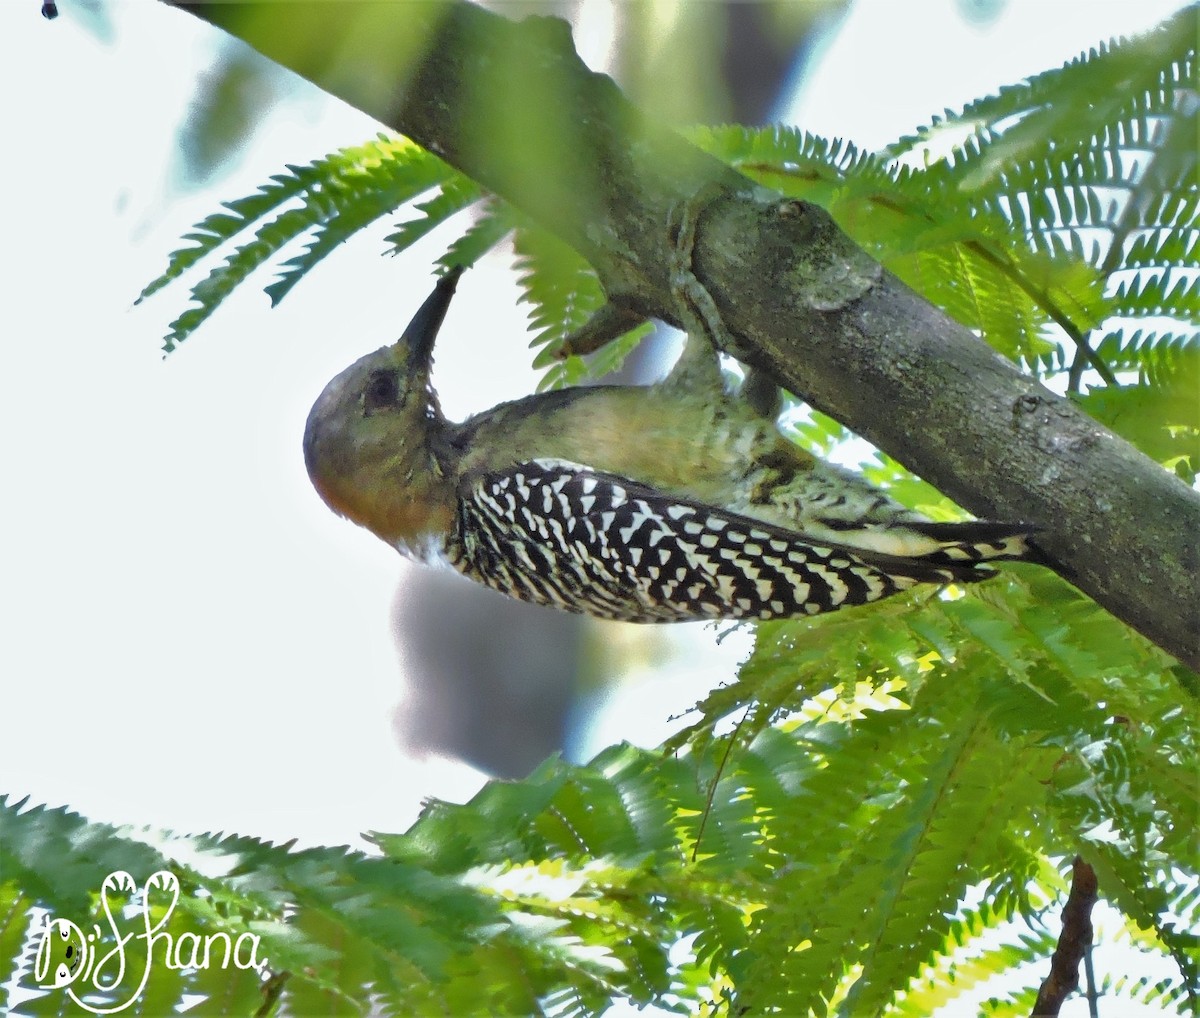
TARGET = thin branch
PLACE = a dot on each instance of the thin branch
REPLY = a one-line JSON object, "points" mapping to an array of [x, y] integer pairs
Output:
{"points": [[1092, 993], [712, 788], [1050, 306], [1073, 943], [1078, 365], [609, 322], [272, 990]]}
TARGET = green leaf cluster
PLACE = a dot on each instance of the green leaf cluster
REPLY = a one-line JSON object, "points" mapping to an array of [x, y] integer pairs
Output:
{"points": [[872, 819], [324, 203]]}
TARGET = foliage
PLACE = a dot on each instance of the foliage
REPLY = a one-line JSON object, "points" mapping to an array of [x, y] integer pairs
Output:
{"points": [[815, 856], [877, 816]]}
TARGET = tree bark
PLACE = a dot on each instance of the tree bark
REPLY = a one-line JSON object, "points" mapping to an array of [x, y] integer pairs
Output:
{"points": [[799, 299]]}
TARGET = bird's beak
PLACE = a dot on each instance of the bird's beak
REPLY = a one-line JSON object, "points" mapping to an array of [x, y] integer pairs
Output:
{"points": [[415, 347]]}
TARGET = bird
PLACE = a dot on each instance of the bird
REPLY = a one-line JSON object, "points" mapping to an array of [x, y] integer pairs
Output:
{"points": [[678, 501]]}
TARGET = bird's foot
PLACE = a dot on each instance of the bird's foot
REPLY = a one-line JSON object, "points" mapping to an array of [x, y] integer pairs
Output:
{"points": [[695, 310]]}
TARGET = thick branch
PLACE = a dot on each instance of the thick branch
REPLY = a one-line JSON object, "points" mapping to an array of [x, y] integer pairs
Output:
{"points": [[511, 105]]}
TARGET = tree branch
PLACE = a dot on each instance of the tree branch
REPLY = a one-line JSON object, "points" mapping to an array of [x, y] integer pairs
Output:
{"points": [[511, 105], [1073, 942]]}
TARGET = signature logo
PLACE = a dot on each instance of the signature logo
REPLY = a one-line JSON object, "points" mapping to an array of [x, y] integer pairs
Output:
{"points": [[66, 958]]}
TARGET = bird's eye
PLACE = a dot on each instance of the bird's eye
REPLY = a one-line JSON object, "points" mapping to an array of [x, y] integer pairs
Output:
{"points": [[382, 391]]}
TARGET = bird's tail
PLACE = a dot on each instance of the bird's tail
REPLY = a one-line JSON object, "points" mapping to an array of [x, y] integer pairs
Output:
{"points": [[974, 541]]}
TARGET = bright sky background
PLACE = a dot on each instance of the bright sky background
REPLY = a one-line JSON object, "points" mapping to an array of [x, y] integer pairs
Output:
{"points": [[164, 554]]}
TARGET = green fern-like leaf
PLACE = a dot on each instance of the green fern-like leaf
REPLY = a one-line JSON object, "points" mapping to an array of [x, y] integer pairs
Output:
{"points": [[456, 193], [1065, 103], [496, 222], [1163, 420], [563, 292], [337, 196], [219, 228]]}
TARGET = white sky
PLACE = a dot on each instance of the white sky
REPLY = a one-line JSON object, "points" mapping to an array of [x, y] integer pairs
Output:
{"points": [[163, 552]]}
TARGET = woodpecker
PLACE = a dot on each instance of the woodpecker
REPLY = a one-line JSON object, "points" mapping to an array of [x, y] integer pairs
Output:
{"points": [[672, 502]]}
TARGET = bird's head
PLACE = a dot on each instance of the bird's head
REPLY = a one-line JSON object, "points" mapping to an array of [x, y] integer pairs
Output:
{"points": [[369, 443]]}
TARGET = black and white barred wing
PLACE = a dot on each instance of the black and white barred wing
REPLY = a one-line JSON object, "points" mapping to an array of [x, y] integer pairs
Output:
{"points": [[561, 534]]}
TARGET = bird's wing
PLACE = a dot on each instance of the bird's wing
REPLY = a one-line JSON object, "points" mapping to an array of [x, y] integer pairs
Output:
{"points": [[559, 533]]}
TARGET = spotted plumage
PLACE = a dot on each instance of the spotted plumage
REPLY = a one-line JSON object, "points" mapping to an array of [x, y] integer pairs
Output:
{"points": [[668, 503], [563, 535]]}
